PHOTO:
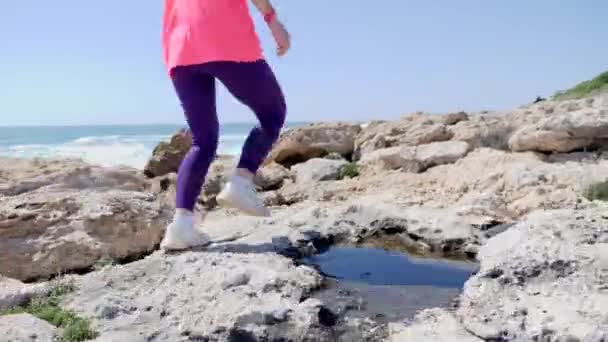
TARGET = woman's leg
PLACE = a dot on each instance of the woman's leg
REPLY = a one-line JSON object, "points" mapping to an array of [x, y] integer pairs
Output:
{"points": [[196, 92], [255, 85]]}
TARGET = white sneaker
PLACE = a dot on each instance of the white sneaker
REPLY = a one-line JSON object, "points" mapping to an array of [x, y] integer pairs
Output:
{"points": [[240, 193], [182, 234]]}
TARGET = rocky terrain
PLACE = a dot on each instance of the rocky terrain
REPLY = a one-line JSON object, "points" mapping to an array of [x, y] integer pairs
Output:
{"points": [[504, 189]]}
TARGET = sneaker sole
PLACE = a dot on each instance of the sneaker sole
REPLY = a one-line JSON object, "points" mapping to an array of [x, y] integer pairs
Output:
{"points": [[180, 246], [224, 201]]}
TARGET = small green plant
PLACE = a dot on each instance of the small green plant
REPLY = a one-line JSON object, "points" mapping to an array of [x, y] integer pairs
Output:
{"points": [[350, 170], [586, 88], [597, 191], [75, 328], [105, 262]]}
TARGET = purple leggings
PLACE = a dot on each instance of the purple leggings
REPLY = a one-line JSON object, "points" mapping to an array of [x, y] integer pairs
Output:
{"points": [[253, 84]]}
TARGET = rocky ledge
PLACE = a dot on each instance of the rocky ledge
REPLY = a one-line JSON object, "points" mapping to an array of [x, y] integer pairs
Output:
{"points": [[509, 191]]}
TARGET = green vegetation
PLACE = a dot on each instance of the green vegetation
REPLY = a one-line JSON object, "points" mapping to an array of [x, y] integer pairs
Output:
{"points": [[350, 170], [75, 328], [105, 262], [597, 191], [586, 88]]}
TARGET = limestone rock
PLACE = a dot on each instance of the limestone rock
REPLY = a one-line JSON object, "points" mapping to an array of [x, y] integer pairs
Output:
{"points": [[83, 214], [272, 198], [454, 118], [532, 139], [312, 141], [393, 158], [167, 156], [218, 174], [444, 231], [439, 153], [417, 158], [18, 176], [564, 131], [545, 278], [493, 132], [429, 326], [293, 192], [14, 293], [318, 169], [271, 176], [226, 291], [516, 183], [411, 130], [26, 328]]}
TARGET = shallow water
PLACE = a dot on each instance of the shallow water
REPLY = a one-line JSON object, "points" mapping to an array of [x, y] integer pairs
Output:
{"points": [[379, 267], [387, 286]]}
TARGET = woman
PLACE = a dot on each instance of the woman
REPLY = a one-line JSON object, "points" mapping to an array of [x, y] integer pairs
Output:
{"points": [[204, 40]]}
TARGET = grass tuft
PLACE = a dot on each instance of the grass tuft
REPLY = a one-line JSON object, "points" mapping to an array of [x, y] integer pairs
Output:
{"points": [[587, 88], [350, 170], [597, 191], [75, 328]]}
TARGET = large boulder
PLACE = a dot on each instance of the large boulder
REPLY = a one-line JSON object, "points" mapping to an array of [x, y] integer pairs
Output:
{"points": [[56, 219], [563, 132], [544, 279], [416, 158], [312, 141], [318, 169], [562, 126], [412, 130], [481, 131], [167, 156]]}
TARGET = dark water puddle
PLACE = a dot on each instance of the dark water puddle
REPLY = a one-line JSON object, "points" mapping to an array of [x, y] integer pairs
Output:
{"points": [[387, 286], [379, 267]]}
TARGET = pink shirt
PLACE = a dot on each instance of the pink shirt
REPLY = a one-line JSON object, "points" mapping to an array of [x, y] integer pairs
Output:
{"points": [[200, 31]]}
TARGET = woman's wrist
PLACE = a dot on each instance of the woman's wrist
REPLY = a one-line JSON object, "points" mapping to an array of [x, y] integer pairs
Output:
{"points": [[270, 16]]}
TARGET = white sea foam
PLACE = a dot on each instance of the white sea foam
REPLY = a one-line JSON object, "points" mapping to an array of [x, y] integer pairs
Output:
{"points": [[111, 150]]}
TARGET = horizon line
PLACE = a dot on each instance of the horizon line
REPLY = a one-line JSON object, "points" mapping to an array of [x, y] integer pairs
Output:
{"points": [[136, 124]]}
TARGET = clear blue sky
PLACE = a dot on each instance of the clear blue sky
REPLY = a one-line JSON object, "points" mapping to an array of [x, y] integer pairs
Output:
{"points": [[99, 62]]}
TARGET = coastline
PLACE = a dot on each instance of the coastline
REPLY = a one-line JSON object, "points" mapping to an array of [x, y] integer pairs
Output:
{"points": [[506, 191]]}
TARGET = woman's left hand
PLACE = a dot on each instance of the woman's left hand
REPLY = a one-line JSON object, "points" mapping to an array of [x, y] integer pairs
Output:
{"points": [[281, 36]]}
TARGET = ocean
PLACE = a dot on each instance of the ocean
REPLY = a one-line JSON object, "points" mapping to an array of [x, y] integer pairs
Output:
{"points": [[129, 145]]}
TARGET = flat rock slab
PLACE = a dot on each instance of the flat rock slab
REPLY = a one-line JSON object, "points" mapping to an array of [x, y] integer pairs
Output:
{"points": [[545, 278], [416, 158], [430, 326], [318, 169], [168, 297], [26, 328]]}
